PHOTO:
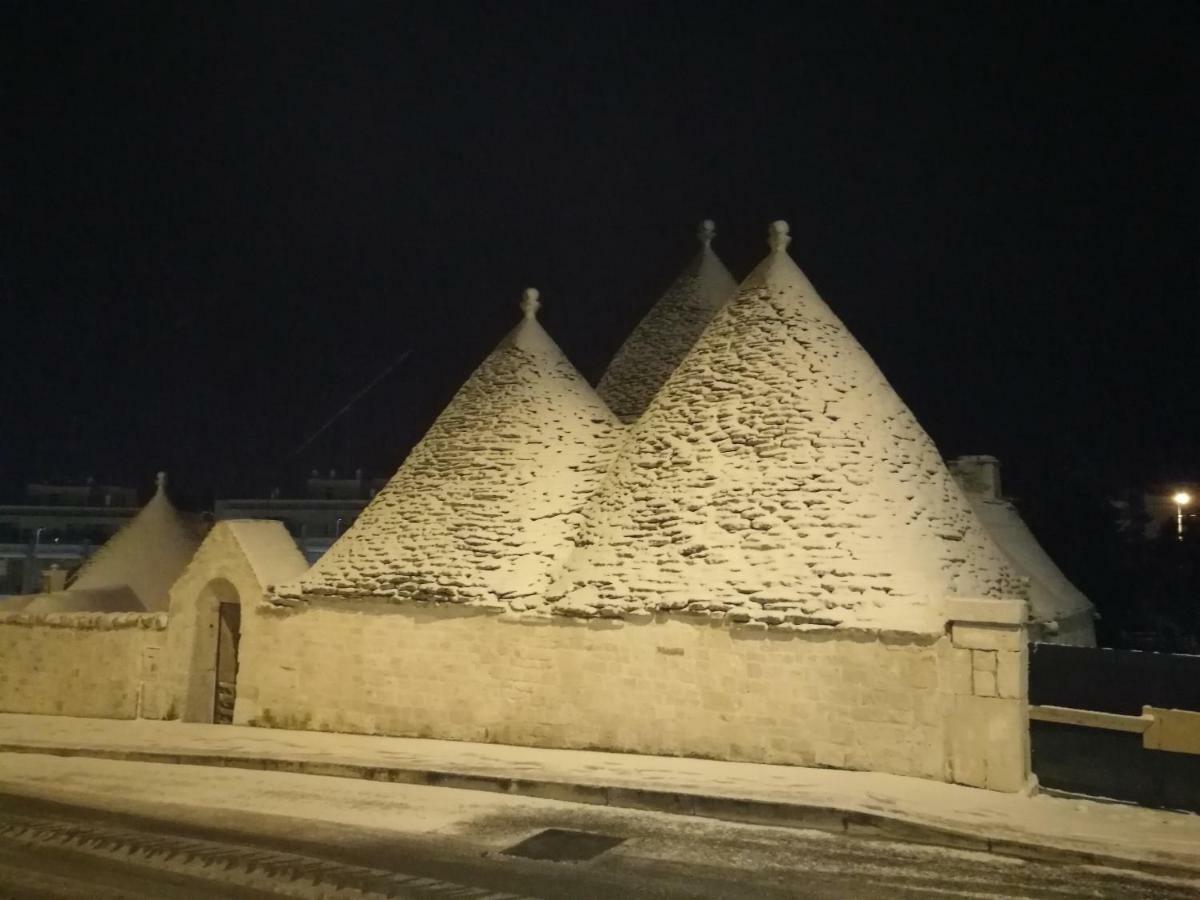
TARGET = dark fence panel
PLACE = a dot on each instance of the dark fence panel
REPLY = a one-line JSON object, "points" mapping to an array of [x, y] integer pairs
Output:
{"points": [[1118, 681], [1111, 763]]}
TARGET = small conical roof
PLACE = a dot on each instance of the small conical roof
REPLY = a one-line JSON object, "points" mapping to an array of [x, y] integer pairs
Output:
{"points": [[146, 556], [1052, 596], [485, 508], [778, 477], [667, 332]]}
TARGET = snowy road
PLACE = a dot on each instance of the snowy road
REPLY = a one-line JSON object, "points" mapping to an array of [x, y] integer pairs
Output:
{"points": [[151, 830]]}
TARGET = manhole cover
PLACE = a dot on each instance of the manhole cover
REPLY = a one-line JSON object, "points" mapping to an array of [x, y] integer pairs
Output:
{"points": [[564, 846]]}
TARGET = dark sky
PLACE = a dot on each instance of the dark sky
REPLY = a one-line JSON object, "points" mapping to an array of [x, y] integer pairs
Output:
{"points": [[222, 220]]}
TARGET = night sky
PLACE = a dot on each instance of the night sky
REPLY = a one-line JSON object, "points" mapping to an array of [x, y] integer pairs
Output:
{"points": [[221, 221]]}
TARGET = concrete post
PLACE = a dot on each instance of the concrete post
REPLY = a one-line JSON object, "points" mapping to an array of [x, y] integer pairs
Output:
{"points": [[989, 723]]}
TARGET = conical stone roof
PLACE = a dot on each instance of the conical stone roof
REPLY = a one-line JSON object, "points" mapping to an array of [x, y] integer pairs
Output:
{"points": [[777, 477], [485, 508], [667, 332], [144, 558], [1052, 596]]}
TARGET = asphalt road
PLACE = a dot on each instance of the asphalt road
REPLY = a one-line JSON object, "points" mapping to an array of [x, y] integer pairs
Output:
{"points": [[456, 846]]}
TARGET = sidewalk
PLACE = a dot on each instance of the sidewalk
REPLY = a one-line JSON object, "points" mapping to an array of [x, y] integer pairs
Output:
{"points": [[861, 803]]}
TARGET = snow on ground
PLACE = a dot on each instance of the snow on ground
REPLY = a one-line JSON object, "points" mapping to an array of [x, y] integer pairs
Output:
{"points": [[1085, 825], [667, 332], [484, 509], [778, 478]]}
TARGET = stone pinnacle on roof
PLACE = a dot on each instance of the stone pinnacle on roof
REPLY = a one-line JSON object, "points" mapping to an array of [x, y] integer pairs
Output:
{"points": [[666, 333], [485, 508], [530, 302], [777, 477], [779, 236]]}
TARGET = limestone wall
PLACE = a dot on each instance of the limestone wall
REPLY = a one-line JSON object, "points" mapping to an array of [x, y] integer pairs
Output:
{"points": [[856, 699], [79, 664]]}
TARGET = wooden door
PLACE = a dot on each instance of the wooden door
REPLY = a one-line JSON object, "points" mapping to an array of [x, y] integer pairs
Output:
{"points": [[229, 633]]}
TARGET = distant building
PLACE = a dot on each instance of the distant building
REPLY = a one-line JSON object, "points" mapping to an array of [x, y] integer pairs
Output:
{"points": [[330, 506], [58, 527]]}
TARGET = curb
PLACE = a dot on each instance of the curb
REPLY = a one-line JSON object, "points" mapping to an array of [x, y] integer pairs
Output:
{"points": [[854, 823]]}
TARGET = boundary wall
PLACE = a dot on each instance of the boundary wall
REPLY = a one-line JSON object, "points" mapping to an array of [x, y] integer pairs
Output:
{"points": [[80, 664], [950, 706]]}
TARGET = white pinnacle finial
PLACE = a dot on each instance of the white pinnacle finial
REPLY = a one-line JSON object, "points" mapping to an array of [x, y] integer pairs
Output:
{"points": [[160, 481], [777, 236], [706, 232], [530, 304]]}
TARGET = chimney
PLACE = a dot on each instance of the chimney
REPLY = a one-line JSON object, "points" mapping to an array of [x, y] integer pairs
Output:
{"points": [[979, 476], [54, 579]]}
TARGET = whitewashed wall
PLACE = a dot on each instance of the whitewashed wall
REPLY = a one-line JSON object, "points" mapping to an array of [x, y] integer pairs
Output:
{"points": [[911, 704], [80, 664]]}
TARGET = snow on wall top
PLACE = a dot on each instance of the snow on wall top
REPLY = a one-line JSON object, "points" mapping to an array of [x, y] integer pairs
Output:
{"points": [[147, 555], [667, 332], [778, 478], [486, 506]]}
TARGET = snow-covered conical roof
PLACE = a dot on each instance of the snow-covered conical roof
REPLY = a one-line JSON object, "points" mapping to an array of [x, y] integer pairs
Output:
{"points": [[667, 332], [140, 562], [1052, 596], [485, 508], [778, 477]]}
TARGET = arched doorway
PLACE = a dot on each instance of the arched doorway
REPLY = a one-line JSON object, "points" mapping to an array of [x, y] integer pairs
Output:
{"points": [[229, 635], [219, 611]]}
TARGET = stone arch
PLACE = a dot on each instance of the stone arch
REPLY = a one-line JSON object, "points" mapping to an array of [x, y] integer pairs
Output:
{"points": [[210, 650], [233, 566]]}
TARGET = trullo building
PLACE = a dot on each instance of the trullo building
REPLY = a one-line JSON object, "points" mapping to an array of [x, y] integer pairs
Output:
{"points": [[772, 565], [667, 332], [134, 570]]}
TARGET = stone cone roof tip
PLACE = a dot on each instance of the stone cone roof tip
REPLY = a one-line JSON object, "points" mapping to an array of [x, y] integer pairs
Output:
{"points": [[667, 332], [777, 477], [146, 555], [485, 508]]}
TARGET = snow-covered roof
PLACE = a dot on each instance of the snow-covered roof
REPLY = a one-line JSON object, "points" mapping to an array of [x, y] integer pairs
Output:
{"points": [[1052, 597], [486, 506], [778, 477], [667, 332], [146, 555], [268, 548]]}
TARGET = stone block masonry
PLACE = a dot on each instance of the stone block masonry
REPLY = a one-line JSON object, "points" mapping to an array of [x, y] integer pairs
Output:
{"points": [[989, 727], [845, 698], [80, 664]]}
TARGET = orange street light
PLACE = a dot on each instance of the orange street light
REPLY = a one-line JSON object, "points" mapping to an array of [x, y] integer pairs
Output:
{"points": [[1182, 499]]}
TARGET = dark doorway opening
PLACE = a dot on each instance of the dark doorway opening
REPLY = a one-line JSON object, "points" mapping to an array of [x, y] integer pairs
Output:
{"points": [[229, 633]]}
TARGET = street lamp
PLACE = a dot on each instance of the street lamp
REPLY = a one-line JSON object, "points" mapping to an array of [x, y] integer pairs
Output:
{"points": [[1182, 499]]}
